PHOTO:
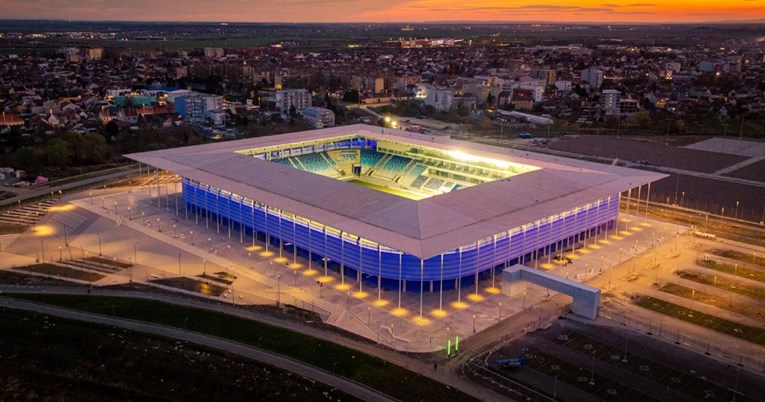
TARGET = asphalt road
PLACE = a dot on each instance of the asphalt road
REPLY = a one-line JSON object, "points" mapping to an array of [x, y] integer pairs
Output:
{"points": [[351, 387]]}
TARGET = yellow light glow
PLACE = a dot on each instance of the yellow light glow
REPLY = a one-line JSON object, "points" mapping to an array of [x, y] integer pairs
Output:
{"points": [[280, 260], [462, 156], [593, 246], [606, 242], [325, 279], [43, 230], [572, 256], [342, 286], [254, 248], [547, 266], [615, 237], [400, 312], [359, 295], [583, 251], [380, 303], [421, 321], [310, 272], [644, 224], [439, 313], [637, 228], [266, 253], [492, 290], [57, 208], [625, 233], [295, 265], [475, 297], [460, 305]]}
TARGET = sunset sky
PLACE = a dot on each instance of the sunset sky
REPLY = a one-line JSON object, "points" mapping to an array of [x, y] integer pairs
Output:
{"points": [[386, 11]]}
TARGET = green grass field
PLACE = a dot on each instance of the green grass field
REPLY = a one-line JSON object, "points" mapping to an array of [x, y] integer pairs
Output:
{"points": [[723, 283], [399, 193], [391, 379], [745, 332], [700, 296], [680, 381], [753, 274]]}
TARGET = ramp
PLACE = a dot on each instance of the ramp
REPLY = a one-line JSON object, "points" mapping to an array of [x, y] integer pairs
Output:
{"points": [[586, 298]]}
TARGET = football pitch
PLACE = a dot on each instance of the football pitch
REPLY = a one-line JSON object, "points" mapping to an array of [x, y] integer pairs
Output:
{"points": [[400, 193]]}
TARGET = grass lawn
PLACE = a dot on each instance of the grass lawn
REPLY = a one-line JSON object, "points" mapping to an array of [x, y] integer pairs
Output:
{"points": [[50, 358], [55, 270], [723, 283], [678, 380], [747, 333], [700, 296], [399, 193], [391, 379], [752, 274], [737, 255]]}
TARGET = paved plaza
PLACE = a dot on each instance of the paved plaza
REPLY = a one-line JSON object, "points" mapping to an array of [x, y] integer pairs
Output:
{"points": [[155, 233]]}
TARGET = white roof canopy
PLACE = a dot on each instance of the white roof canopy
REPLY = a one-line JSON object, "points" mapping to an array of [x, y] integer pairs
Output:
{"points": [[425, 227]]}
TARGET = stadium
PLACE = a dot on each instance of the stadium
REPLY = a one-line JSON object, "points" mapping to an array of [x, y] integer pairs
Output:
{"points": [[398, 210]]}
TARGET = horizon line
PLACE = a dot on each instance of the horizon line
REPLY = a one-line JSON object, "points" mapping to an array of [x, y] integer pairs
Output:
{"points": [[522, 22]]}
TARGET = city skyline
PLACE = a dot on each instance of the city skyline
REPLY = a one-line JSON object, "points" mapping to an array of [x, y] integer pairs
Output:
{"points": [[404, 11]]}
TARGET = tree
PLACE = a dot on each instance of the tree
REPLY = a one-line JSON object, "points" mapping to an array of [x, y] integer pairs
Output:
{"points": [[352, 96], [642, 119], [59, 154], [680, 125], [94, 148], [27, 158]]}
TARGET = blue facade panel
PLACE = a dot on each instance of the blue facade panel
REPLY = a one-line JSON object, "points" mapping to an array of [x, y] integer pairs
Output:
{"points": [[542, 236]]}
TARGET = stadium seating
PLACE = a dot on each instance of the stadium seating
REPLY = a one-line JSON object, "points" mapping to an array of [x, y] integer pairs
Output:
{"points": [[313, 162], [434, 184], [419, 181], [392, 167], [370, 157]]}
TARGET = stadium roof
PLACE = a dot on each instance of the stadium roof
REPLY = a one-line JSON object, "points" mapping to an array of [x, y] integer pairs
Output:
{"points": [[425, 227]]}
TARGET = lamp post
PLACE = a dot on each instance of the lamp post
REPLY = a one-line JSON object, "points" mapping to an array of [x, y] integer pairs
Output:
{"points": [[278, 290], [369, 315], [159, 225], [179, 264], [60, 256], [473, 323], [204, 267], [499, 315], [99, 244], [524, 300], [592, 369], [192, 237], [135, 253]]}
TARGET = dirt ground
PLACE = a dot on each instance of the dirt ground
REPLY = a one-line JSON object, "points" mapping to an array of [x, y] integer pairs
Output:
{"points": [[711, 196], [655, 153]]}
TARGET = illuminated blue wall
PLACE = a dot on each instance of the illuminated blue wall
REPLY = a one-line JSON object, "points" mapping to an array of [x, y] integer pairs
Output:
{"points": [[544, 237]]}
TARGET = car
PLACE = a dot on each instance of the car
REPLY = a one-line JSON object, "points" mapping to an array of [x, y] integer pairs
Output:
{"points": [[525, 135]]}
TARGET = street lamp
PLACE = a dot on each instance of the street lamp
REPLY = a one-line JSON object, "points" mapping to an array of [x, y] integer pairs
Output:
{"points": [[499, 315], [473, 323], [179, 264], [524, 300], [192, 237], [159, 225], [99, 244], [278, 290], [135, 253], [204, 267]]}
